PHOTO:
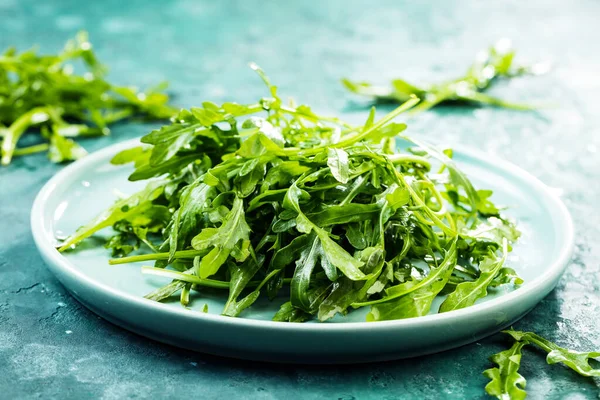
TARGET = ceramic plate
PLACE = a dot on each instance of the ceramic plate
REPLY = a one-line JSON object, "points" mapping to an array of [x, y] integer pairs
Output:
{"points": [[86, 187]]}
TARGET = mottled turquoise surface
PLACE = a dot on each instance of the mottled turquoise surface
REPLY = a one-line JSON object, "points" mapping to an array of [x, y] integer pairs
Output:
{"points": [[50, 346]]}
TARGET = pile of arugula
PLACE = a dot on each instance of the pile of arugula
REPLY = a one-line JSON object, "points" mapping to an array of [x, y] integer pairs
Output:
{"points": [[252, 198], [490, 65], [42, 92], [322, 216]]}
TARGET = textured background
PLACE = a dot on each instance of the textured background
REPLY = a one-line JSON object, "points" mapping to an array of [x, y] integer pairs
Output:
{"points": [[51, 346]]}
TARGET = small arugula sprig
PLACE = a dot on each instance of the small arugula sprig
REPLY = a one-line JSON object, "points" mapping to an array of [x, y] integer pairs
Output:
{"points": [[495, 63], [43, 92], [253, 198], [505, 380]]}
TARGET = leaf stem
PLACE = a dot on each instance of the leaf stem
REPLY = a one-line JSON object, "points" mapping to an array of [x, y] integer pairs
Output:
{"points": [[212, 283], [185, 254], [351, 139], [17, 128], [409, 158], [38, 148], [167, 273]]}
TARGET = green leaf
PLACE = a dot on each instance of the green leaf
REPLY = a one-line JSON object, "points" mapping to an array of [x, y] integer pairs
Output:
{"points": [[137, 155], [166, 291], [414, 298], [345, 214], [397, 198], [266, 128], [485, 205], [405, 88], [506, 276], [257, 145], [467, 293], [213, 260], [289, 313], [283, 174], [366, 89], [341, 297], [345, 291], [235, 109], [43, 94], [388, 131], [435, 275], [370, 119], [168, 140], [505, 380], [247, 181], [355, 236], [12, 134], [299, 295], [290, 253], [335, 254], [194, 201], [208, 117], [240, 277], [222, 240], [64, 149], [457, 178], [340, 258], [337, 160], [468, 88], [576, 360], [121, 210], [172, 166]]}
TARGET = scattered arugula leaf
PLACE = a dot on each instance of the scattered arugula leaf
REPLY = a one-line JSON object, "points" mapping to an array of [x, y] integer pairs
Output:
{"points": [[576, 360], [491, 65], [43, 94], [505, 380]]}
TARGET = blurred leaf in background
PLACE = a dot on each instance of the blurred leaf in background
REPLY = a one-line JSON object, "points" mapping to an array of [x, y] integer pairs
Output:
{"points": [[43, 94], [490, 65]]}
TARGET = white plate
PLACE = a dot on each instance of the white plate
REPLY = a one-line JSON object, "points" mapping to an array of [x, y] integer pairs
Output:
{"points": [[86, 187]]}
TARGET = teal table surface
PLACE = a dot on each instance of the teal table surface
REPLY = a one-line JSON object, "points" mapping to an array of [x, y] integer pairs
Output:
{"points": [[51, 346]]}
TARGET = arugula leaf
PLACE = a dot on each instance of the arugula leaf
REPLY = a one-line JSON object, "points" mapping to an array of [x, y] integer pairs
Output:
{"points": [[345, 291], [345, 214], [42, 94], [341, 297], [467, 293], [506, 275], [135, 227], [496, 63], [121, 210], [240, 277], [64, 149], [289, 313], [299, 295], [168, 140], [137, 155], [337, 160], [505, 380], [259, 144], [194, 199], [413, 298], [576, 360], [334, 253], [222, 240]]}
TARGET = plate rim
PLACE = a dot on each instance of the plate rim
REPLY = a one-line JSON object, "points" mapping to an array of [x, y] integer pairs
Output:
{"points": [[554, 272]]}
